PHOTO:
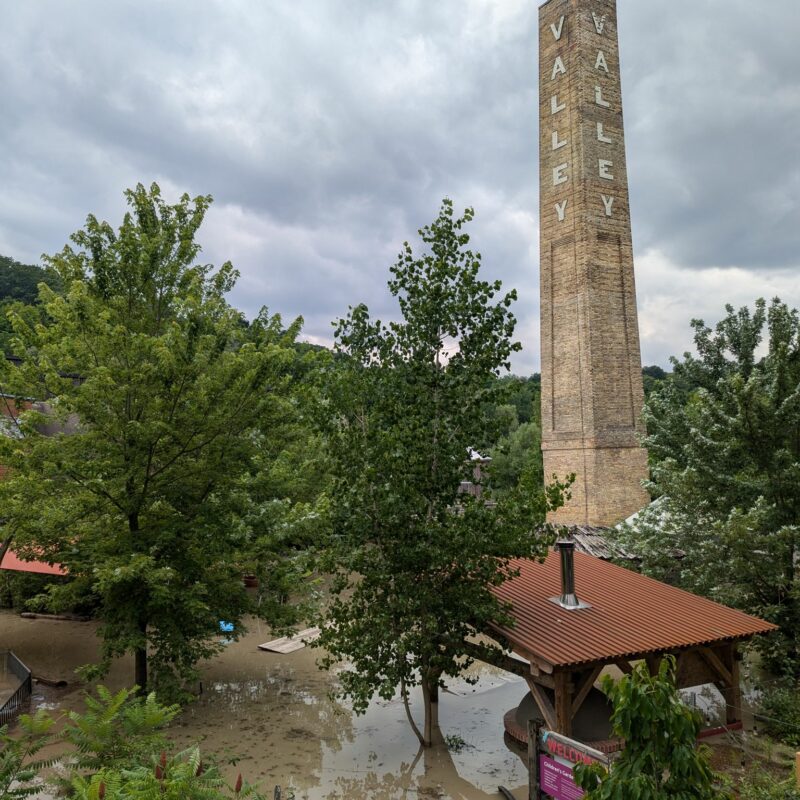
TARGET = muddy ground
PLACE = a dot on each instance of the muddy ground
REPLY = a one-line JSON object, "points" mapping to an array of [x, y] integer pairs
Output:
{"points": [[273, 718]]}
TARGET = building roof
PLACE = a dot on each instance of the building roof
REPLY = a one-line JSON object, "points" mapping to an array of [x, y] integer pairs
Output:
{"points": [[595, 541], [13, 562], [630, 615]]}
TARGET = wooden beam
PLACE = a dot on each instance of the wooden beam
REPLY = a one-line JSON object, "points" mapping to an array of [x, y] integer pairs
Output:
{"points": [[541, 665], [624, 666], [564, 703], [586, 687], [713, 661], [493, 656], [544, 704], [544, 680]]}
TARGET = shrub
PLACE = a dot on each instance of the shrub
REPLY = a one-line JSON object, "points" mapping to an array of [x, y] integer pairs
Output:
{"points": [[763, 786], [780, 708]]}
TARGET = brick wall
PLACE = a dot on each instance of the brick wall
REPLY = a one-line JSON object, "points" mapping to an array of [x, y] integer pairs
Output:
{"points": [[592, 392]]}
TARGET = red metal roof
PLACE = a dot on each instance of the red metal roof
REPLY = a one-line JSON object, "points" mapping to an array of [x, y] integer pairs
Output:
{"points": [[631, 615], [13, 562]]}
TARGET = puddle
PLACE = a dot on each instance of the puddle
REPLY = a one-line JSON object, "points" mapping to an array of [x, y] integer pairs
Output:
{"points": [[272, 718]]}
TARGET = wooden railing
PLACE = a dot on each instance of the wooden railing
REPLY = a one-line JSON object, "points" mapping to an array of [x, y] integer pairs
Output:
{"points": [[11, 665]]}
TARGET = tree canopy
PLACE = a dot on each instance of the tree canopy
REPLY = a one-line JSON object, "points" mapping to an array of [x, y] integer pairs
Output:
{"points": [[724, 442], [135, 472], [406, 402], [19, 284]]}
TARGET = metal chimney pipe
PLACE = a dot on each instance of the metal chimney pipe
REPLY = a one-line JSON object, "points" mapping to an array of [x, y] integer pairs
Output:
{"points": [[568, 599]]}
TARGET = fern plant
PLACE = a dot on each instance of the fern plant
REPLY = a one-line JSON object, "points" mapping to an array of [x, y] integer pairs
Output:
{"points": [[19, 769], [117, 730], [182, 777]]}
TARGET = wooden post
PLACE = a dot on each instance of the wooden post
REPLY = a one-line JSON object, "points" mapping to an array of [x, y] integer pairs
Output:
{"points": [[733, 697], [563, 682], [534, 729], [797, 769]]}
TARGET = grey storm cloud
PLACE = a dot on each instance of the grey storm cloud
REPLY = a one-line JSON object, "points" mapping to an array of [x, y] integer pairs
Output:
{"points": [[328, 132]]}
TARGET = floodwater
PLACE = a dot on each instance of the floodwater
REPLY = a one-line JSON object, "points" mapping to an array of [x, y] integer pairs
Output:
{"points": [[273, 718]]}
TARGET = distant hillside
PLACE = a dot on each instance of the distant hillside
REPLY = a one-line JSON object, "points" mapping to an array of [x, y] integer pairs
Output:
{"points": [[19, 283]]}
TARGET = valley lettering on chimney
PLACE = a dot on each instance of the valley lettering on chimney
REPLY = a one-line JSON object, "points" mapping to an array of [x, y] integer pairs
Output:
{"points": [[592, 394]]}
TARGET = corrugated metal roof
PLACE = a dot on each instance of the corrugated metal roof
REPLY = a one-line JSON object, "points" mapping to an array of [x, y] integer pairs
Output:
{"points": [[13, 562], [631, 615]]}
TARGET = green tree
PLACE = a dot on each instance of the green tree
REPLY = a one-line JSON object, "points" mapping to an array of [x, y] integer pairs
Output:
{"points": [[652, 378], [724, 442], [406, 401], [514, 455], [21, 281], [156, 395], [19, 285], [661, 759]]}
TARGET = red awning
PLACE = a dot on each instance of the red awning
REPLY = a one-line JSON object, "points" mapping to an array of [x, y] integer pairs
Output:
{"points": [[12, 561]]}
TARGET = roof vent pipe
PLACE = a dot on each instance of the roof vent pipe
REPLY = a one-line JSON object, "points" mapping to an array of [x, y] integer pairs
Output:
{"points": [[568, 599]]}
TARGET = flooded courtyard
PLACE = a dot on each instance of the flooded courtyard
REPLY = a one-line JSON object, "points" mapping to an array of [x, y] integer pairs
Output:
{"points": [[274, 719]]}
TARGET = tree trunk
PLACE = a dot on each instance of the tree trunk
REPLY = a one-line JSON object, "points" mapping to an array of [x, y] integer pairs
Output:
{"points": [[4, 547], [404, 693], [140, 653], [430, 696], [140, 661]]}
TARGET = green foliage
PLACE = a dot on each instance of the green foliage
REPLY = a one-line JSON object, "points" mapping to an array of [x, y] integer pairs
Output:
{"points": [[652, 378], [137, 474], [116, 752], [516, 454], [780, 707], [19, 769], [181, 777], [19, 287], [661, 759], [724, 442], [21, 281], [405, 402], [763, 786], [18, 589], [117, 729], [524, 394]]}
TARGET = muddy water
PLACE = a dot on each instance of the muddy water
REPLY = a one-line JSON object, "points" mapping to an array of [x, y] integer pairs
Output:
{"points": [[272, 718]]}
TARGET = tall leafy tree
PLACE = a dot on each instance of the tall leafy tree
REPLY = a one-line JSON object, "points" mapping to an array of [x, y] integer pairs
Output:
{"points": [[134, 475], [724, 439], [406, 401]]}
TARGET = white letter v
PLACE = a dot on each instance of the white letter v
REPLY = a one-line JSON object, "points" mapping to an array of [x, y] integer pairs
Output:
{"points": [[557, 29]]}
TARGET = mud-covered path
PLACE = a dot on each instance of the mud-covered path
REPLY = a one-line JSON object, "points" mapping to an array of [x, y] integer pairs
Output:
{"points": [[272, 718]]}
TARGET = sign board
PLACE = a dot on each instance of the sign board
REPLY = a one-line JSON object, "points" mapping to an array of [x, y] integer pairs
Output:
{"points": [[556, 780], [569, 750], [552, 758]]}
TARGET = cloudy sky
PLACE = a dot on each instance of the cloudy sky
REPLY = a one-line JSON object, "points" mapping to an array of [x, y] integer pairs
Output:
{"points": [[329, 130]]}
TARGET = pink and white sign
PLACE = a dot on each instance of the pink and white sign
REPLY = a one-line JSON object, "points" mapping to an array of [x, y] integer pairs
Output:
{"points": [[557, 781]]}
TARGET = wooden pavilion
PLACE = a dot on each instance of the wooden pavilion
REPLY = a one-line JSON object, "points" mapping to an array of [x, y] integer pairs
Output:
{"points": [[617, 617]]}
